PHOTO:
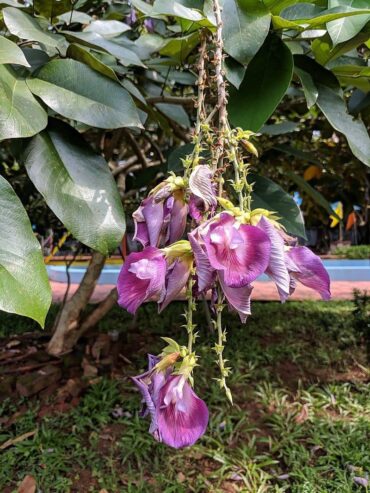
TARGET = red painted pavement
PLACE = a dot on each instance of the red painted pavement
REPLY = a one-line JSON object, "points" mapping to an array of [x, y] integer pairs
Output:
{"points": [[341, 290]]}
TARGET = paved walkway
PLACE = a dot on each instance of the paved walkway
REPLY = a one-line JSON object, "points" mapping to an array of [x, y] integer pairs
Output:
{"points": [[341, 290]]}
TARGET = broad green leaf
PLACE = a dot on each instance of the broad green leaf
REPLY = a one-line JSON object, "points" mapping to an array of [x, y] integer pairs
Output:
{"points": [[269, 195], [266, 80], [244, 31], [143, 7], [93, 40], [179, 48], [174, 112], [75, 16], [347, 27], [309, 88], [284, 127], [325, 52], [175, 9], [20, 113], [24, 284], [107, 29], [11, 53], [311, 192], [76, 91], [77, 186], [331, 103], [174, 160], [293, 151], [26, 27], [281, 23], [325, 16], [276, 6], [234, 72], [36, 58], [52, 8], [85, 56]]}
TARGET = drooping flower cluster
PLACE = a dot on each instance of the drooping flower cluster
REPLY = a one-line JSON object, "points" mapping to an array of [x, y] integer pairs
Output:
{"points": [[230, 248], [225, 250]]}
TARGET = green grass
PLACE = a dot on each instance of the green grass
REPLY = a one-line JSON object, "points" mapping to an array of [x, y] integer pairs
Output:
{"points": [[353, 252], [300, 423]]}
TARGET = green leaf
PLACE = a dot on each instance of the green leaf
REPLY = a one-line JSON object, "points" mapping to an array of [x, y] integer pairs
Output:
{"points": [[346, 28], [52, 8], [24, 284], [327, 16], [331, 103], [175, 9], [268, 195], [20, 113], [284, 127], [311, 192], [11, 53], [180, 48], [77, 186], [174, 162], [293, 151], [93, 40], [234, 72], [76, 91], [266, 80], [26, 27], [174, 112], [244, 30], [85, 56], [107, 29], [276, 6]]}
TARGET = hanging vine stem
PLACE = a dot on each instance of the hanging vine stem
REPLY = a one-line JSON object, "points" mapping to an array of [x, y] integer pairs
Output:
{"points": [[218, 160]]}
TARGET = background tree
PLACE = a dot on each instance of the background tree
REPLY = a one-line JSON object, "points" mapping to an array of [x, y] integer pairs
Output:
{"points": [[95, 95]]}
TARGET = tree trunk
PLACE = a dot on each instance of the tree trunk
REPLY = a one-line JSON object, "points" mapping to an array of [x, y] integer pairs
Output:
{"points": [[67, 328]]}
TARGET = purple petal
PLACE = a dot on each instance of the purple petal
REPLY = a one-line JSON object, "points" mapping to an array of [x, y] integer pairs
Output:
{"points": [[201, 185], [196, 208], [277, 268], [142, 276], [205, 272], [177, 277], [242, 252], [141, 231], [153, 214], [308, 269], [179, 215], [182, 417], [239, 299], [361, 481]]}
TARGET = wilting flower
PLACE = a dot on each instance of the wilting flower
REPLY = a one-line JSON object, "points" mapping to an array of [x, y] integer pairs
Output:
{"points": [[202, 188], [142, 276], [161, 218], [178, 416], [132, 17], [241, 252]]}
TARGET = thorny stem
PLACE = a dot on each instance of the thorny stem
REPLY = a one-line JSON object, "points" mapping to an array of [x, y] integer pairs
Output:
{"points": [[219, 346], [221, 90], [199, 104], [189, 314]]}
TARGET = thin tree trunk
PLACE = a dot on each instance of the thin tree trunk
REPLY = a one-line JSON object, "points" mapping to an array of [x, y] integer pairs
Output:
{"points": [[67, 325]]}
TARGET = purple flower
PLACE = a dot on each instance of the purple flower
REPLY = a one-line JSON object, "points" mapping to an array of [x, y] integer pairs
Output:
{"points": [[240, 251], [149, 25], [178, 417], [161, 218], [142, 276], [177, 276], [307, 268], [131, 18], [276, 268], [182, 417], [202, 188], [239, 299]]}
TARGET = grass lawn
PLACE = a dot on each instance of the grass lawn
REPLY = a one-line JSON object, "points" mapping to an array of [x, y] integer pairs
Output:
{"points": [[300, 422]]}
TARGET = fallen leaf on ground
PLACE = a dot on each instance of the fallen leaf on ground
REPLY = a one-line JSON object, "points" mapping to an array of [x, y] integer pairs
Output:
{"points": [[28, 485]]}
